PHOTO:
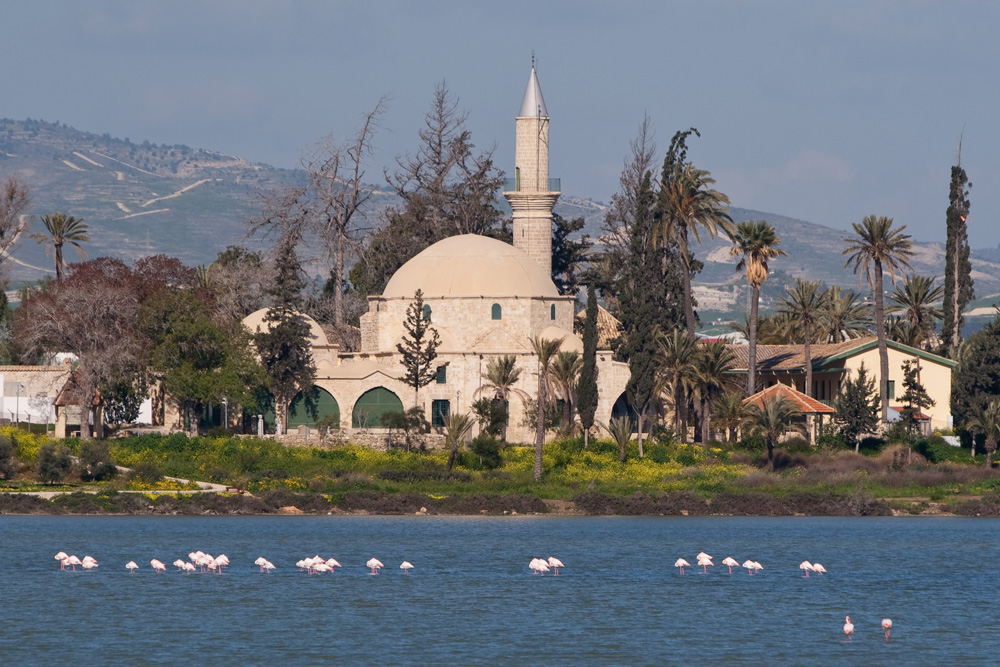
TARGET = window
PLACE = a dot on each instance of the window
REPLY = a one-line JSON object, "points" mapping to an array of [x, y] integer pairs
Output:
{"points": [[497, 311], [892, 389], [427, 313], [552, 312], [442, 374], [439, 412], [517, 179]]}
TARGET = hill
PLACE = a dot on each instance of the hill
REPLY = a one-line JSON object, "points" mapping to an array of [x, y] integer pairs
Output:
{"points": [[142, 198]]}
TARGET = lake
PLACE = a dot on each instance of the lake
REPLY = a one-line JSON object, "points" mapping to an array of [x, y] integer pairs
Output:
{"points": [[471, 598]]}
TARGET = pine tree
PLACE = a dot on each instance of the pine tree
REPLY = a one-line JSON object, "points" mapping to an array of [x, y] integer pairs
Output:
{"points": [[283, 343], [958, 288], [857, 407], [419, 347], [976, 380], [586, 391], [915, 396]]}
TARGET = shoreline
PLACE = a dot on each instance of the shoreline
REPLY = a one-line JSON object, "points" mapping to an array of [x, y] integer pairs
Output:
{"points": [[378, 503]]}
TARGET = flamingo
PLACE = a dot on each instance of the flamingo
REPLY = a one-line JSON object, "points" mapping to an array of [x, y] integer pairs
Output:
{"points": [[731, 562], [260, 562], [757, 567], [887, 627], [555, 564], [704, 562], [189, 568], [321, 567], [406, 567], [332, 563], [62, 556], [702, 555], [157, 566], [131, 566], [819, 569], [89, 560], [73, 561], [179, 564], [222, 560], [807, 566], [748, 564], [89, 565], [374, 564], [681, 563], [268, 565], [848, 626]]}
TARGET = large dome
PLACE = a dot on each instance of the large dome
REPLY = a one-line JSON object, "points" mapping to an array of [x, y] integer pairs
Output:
{"points": [[471, 266]]}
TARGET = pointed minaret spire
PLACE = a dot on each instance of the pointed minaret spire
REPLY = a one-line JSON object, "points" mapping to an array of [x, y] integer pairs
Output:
{"points": [[533, 195]]}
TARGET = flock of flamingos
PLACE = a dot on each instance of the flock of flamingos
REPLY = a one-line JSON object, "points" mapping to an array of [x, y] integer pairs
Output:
{"points": [[199, 561]]}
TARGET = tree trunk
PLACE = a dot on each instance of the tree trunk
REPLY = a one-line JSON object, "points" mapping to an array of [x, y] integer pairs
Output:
{"points": [[706, 422], [752, 362], [338, 278], [642, 419], [991, 446], [586, 437], [883, 349], [770, 453], [57, 255], [452, 455], [809, 367]]}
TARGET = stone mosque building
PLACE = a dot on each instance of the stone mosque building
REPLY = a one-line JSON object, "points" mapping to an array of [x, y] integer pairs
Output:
{"points": [[484, 297]]}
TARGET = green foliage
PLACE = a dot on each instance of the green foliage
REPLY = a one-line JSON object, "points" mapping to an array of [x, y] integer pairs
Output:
{"points": [[857, 407], [568, 255], [122, 401], [7, 463], [958, 287], [408, 422], [752, 442], [419, 347], [976, 380], [586, 390], [915, 397], [491, 414], [96, 463], [146, 472], [620, 429], [486, 448], [53, 464]]}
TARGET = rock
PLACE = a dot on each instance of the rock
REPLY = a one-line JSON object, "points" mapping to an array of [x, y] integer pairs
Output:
{"points": [[290, 509], [423, 510]]}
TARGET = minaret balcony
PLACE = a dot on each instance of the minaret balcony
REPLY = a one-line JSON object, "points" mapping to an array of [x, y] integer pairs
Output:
{"points": [[515, 185]]}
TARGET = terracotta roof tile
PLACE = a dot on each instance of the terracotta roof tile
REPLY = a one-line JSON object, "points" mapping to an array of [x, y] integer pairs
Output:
{"points": [[805, 404]]}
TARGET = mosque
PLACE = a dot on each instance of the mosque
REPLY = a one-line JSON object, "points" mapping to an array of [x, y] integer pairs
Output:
{"points": [[484, 297]]}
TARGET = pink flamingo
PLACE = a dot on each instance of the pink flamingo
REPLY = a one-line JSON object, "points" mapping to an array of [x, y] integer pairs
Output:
{"points": [[819, 569], [61, 557], [748, 564], [555, 564], [731, 562], [848, 626], [887, 627], [157, 565], [807, 566], [131, 567], [73, 561], [375, 564], [406, 567], [705, 561], [681, 563]]}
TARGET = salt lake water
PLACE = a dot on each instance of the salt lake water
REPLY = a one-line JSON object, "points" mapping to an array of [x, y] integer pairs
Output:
{"points": [[471, 598]]}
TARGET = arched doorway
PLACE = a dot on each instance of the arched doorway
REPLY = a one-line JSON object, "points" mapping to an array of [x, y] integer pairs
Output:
{"points": [[323, 407], [372, 405], [622, 408]]}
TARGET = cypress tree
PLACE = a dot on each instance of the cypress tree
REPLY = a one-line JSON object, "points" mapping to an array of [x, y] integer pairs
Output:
{"points": [[958, 289], [419, 347], [586, 389], [283, 343]]}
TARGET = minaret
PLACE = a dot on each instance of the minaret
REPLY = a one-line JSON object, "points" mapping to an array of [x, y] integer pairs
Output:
{"points": [[530, 193]]}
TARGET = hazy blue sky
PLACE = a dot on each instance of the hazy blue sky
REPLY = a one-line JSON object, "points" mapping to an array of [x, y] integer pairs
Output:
{"points": [[825, 111]]}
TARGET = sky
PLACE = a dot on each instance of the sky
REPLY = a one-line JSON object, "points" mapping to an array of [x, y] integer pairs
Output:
{"points": [[823, 111]]}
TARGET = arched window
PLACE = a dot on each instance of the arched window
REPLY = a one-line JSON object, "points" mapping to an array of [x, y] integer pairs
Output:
{"points": [[427, 312], [374, 403], [552, 312], [319, 406], [497, 311]]}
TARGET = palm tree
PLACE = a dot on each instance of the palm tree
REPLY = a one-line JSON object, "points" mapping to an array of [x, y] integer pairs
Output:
{"points": [[620, 429], [877, 246], [565, 370], [502, 374], [689, 204], [546, 350], [901, 331], [456, 428], [61, 230], [986, 420], [804, 305], [732, 413], [755, 242], [914, 301], [773, 419], [677, 368], [713, 363], [845, 316]]}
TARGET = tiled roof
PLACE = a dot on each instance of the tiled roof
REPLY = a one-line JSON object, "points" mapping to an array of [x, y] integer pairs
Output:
{"points": [[793, 357], [608, 327], [805, 404]]}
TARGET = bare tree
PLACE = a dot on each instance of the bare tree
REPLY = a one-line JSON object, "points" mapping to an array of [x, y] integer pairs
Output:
{"points": [[336, 173], [14, 201]]}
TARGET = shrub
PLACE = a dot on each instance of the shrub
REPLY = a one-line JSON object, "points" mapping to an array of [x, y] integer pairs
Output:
{"points": [[95, 461], [796, 445], [53, 464], [487, 448], [218, 432], [146, 472], [871, 444], [7, 468], [752, 442]]}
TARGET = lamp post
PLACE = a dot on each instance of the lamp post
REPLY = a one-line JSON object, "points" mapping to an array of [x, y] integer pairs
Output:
{"points": [[225, 413]]}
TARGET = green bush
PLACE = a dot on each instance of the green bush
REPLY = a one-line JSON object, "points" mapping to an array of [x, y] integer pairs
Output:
{"points": [[487, 449], [146, 472], [7, 467], [871, 444], [53, 464], [95, 461], [831, 441], [217, 432], [752, 442], [936, 450]]}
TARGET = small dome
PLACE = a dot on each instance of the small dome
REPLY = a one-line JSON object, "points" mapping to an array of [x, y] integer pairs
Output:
{"points": [[570, 341], [254, 322], [471, 266]]}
